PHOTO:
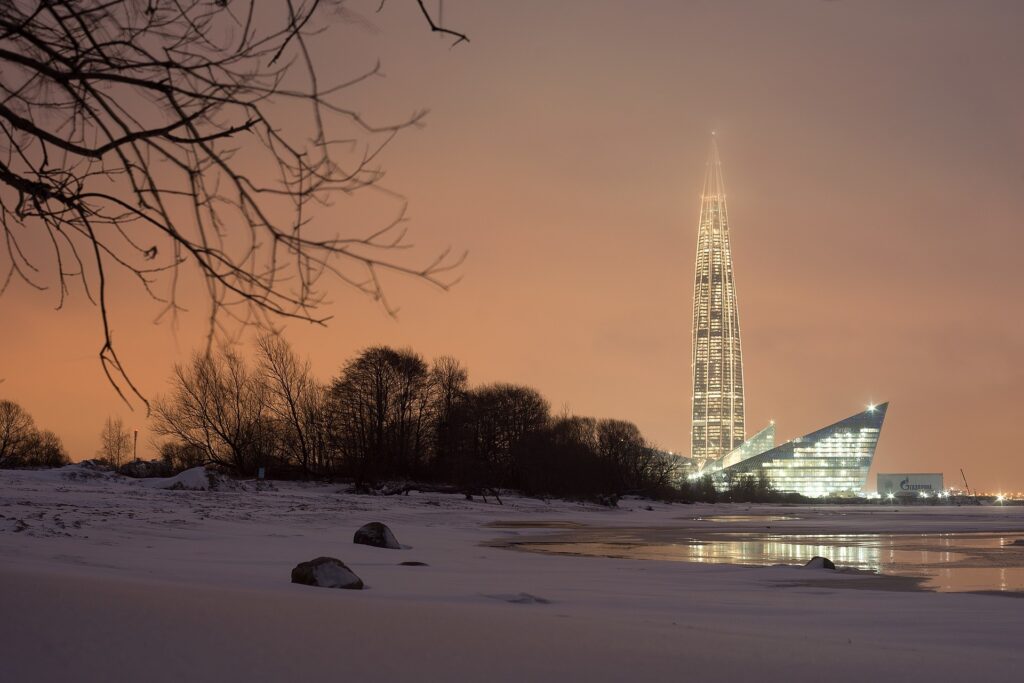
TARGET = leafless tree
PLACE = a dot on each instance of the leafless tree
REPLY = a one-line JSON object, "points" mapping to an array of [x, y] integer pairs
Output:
{"points": [[16, 431], [115, 442], [621, 445], [144, 140], [382, 406], [219, 406], [22, 445], [498, 419], [45, 450], [297, 403], [451, 387], [452, 383]]}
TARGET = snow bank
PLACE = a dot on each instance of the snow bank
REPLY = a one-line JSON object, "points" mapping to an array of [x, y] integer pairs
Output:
{"points": [[195, 479], [114, 579]]}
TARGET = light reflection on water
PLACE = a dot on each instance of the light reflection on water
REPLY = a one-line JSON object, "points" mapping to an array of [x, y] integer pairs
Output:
{"points": [[745, 518], [954, 562]]}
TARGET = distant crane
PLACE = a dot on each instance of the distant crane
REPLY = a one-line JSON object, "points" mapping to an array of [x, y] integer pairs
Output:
{"points": [[968, 488]]}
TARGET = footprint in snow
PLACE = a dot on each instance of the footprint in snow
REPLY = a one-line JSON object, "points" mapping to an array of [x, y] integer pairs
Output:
{"points": [[520, 598]]}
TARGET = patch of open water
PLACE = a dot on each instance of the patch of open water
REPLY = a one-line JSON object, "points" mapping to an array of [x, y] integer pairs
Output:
{"points": [[946, 562]]}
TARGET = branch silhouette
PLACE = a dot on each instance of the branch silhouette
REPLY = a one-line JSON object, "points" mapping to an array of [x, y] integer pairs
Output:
{"points": [[161, 137]]}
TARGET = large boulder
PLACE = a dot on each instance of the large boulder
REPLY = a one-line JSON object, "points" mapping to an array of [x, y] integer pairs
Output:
{"points": [[326, 572], [378, 535], [818, 562]]}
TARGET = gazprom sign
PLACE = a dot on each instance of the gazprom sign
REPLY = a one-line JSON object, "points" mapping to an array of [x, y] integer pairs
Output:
{"points": [[909, 484]]}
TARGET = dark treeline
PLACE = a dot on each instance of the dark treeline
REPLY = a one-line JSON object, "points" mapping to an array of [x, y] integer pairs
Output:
{"points": [[390, 416], [24, 445], [388, 419]]}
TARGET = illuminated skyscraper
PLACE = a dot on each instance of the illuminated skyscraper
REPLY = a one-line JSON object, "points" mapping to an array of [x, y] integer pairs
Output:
{"points": [[718, 406]]}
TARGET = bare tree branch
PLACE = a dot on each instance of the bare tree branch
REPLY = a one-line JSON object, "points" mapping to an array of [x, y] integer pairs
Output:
{"points": [[161, 137], [460, 37]]}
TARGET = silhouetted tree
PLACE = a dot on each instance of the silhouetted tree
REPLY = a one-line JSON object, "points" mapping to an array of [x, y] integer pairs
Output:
{"points": [[160, 138], [45, 449], [748, 488], [220, 407], [178, 456], [381, 414], [623, 449], [16, 431], [562, 459], [497, 417], [296, 404], [451, 387], [115, 442], [22, 445]]}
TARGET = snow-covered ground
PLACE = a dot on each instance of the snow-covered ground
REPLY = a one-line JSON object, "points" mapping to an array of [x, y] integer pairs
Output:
{"points": [[108, 579]]}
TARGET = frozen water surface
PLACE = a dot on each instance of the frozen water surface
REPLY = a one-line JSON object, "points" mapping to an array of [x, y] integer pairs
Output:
{"points": [[947, 562]]}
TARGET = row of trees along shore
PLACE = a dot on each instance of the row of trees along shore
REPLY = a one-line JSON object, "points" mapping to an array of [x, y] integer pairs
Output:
{"points": [[390, 416], [389, 421]]}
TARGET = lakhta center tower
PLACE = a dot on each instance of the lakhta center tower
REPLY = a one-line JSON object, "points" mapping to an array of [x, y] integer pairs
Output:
{"points": [[718, 405]]}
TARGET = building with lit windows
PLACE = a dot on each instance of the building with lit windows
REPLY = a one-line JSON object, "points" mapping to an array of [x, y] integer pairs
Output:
{"points": [[833, 460], [718, 405]]}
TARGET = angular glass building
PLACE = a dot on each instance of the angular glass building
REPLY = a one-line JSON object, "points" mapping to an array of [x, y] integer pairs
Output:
{"points": [[832, 460], [763, 441], [718, 405]]}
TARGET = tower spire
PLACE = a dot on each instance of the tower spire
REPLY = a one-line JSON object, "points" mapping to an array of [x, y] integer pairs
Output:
{"points": [[718, 405]]}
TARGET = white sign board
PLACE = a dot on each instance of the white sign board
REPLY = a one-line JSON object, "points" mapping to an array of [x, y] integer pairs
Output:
{"points": [[909, 484]]}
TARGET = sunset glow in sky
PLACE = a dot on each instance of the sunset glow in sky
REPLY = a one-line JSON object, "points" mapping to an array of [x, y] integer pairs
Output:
{"points": [[873, 155]]}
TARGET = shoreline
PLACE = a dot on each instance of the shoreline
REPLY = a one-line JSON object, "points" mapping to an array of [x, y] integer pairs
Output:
{"points": [[113, 579]]}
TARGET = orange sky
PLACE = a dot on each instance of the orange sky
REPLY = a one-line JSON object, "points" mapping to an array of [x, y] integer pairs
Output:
{"points": [[873, 158]]}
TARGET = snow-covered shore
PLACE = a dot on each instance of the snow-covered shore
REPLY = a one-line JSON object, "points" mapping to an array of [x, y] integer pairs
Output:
{"points": [[105, 579]]}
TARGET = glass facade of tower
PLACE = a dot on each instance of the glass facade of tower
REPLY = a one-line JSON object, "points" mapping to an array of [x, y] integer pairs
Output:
{"points": [[718, 404], [832, 460]]}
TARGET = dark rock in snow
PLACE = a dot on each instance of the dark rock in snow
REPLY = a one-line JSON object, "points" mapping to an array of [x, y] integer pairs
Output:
{"points": [[817, 562], [377, 535], [326, 572]]}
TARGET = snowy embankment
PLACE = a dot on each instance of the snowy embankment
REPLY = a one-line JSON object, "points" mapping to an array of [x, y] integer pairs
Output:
{"points": [[104, 578]]}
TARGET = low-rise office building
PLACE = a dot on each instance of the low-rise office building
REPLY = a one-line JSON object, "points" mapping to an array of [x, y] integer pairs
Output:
{"points": [[910, 485]]}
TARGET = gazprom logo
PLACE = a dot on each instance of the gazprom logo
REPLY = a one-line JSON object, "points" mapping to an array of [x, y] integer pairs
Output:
{"points": [[905, 485]]}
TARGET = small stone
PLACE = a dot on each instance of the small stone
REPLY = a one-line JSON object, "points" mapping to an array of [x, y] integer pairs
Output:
{"points": [[818, 562], [326, 572], [378, 535]]}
